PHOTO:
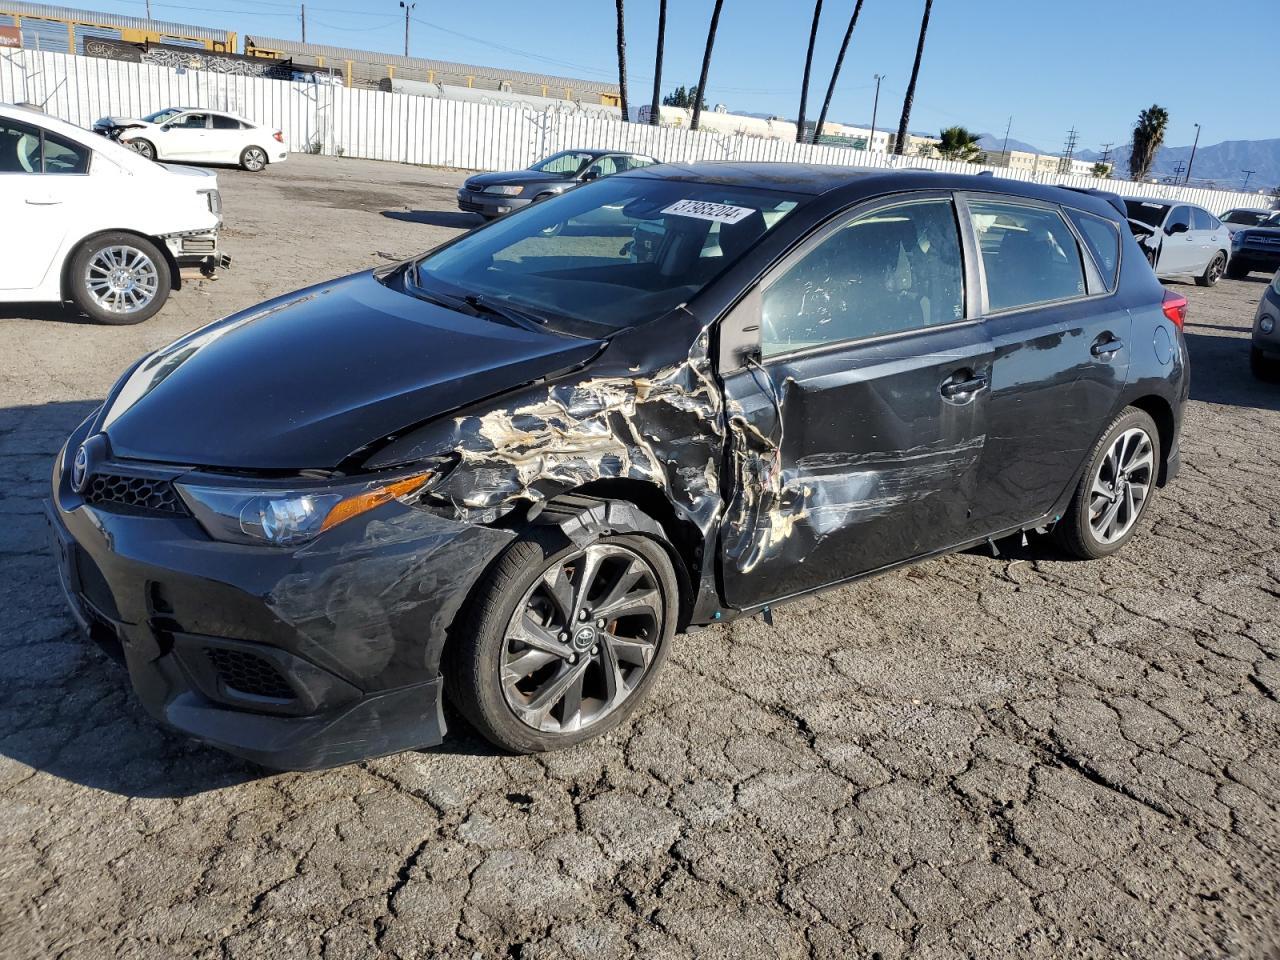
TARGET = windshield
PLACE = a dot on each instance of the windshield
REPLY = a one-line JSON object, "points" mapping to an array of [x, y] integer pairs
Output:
{"points": [[160, 116], [568, 162], [1152, 214], [613, 253], [1271, 221]]}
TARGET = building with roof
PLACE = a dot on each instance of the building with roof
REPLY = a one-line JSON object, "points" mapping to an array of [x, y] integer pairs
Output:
{"points": [[66, 29]]}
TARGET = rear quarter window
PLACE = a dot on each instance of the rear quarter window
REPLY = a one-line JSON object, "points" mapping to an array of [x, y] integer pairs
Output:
{"points": [[1029, 254], [1102, 238]]}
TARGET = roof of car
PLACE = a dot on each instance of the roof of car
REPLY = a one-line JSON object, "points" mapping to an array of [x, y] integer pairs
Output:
{"points": [[815, 179]]}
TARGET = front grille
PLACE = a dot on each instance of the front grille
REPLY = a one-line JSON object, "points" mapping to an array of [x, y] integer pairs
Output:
{"points": [[243, 672], [197, 245], [140, 493]]}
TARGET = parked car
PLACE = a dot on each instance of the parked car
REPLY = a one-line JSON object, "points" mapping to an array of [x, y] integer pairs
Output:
{"points": [[493, 194], [1264, 352], [511, 470], [88, 221], [1255, 248], [1239, 217], [1185, 240], [196, 135]]}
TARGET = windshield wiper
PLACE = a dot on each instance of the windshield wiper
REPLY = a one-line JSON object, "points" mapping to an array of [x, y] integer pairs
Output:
{"points": [[502, 310]]}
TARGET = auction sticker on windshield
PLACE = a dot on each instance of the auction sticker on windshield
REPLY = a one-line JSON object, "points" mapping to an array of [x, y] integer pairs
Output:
{"points": [[702, 210]]}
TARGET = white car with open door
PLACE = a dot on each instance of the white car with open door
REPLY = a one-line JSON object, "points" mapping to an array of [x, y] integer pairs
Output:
{"points": [[196, 135], [88, 221]]}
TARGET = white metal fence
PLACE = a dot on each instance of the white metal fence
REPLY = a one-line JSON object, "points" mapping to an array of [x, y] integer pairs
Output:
{"points": [[335, 120]]}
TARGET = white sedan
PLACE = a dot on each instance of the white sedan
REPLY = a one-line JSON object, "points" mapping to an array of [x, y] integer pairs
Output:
{"points": [[196, 135], [88, 221]]}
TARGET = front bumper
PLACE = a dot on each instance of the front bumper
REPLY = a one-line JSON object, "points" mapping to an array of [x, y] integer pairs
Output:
{"points": [[294, 659], [1256, 257], [488, 204], [1269, 306], [198, 249]]}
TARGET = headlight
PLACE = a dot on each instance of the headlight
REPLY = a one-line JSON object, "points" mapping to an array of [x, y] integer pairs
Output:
{"points": [[1266, 324], [1237, 238], [286, 518], [506, 191]]}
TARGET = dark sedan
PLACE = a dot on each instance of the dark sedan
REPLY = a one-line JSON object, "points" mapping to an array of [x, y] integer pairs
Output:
{"points": [[511, 471], [493, 194]]}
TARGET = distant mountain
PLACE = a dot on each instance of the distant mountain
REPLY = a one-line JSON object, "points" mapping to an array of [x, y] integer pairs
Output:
{"points": [[993, 143], [1222, 163]]}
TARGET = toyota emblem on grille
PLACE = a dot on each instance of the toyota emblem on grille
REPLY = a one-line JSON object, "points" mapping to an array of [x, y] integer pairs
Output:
{"points": [[80, 470]]}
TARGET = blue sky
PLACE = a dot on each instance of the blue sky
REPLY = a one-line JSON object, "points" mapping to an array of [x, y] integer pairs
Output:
{"points": [[1050, 65]]}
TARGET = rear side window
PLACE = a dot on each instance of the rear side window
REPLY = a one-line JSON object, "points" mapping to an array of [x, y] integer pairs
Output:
{"points": [[27, 149], [1029, 254], [894, 269], [1103, 240], [1203, 220], [63, 156], [226, 123]]}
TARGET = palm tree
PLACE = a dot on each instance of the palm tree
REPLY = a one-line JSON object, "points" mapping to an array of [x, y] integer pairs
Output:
{"points": [[959, 144], [900, 145], [654, 115], [706, 62], [622, 62], [1148, 135], [808, 65], [835, 71]]}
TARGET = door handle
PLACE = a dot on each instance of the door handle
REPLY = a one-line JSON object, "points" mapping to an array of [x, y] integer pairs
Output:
{"points": [[43, 201], [954, 389], [1106, 346]]}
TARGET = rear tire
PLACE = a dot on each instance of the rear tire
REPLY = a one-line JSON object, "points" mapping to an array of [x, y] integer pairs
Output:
{"points": [[119, 279], [1116, 488], [1213, 271], [253, 159], [507, 688], [1237, 271]]}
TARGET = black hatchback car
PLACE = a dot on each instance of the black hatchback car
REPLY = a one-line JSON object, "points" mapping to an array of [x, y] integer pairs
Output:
{"points": [[509, 472]]}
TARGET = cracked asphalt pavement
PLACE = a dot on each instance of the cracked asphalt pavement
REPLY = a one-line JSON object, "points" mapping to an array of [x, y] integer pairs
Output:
{"points": [[977, 756]]}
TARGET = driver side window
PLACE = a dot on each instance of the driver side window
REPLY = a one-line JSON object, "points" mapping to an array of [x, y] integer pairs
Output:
{"points": [[190, 121], [891, 270]]}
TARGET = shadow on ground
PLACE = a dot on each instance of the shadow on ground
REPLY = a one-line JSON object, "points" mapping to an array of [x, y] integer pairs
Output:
{"points": [[62, 313]]}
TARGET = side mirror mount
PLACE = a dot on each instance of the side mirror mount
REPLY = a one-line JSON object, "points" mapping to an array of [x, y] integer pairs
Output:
{"points": [[1175, 228], [591, 175]]}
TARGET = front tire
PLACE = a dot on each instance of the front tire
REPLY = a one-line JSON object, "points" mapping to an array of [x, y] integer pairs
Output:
{"points": [[1213, 272], [560, 643], [119, 279], [1262, 367], [144, 148], [1116, 488], [253, 159]]}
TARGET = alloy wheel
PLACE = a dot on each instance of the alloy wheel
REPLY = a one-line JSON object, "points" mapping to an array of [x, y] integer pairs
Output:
{"points": [[1121, 485], [1217, 268], [254, 159], [122, 279], [143, 148], [582, 638]]}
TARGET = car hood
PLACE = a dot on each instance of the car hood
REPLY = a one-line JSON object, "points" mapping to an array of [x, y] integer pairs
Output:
{"points": [[310, 378], [103, 122], [515, 177]]}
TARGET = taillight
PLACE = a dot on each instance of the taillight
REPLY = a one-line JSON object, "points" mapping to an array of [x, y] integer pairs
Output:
{"points": [[1175, 308], [279, 136]]}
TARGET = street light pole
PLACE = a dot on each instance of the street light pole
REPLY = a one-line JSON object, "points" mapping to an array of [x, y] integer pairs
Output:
{"points": [[1193, 155], [875, 105], [407, 7]]}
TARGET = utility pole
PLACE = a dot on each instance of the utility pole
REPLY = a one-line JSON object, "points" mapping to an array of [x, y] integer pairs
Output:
{"points": [[1192, 161], [1247, 175], [1068, 149], [1005, 148], [875, 105], [304, 22], [1177, 170], [407, 8], [148, 9]]}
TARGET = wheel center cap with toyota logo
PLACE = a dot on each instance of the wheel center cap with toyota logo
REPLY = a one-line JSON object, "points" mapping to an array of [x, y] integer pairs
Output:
{"points": [[584, 638]]}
